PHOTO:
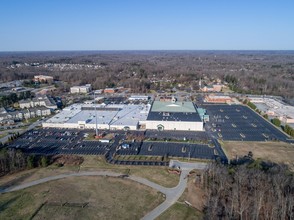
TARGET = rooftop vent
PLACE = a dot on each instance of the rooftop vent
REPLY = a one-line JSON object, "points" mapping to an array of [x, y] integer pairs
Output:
{"points": [[173, 99]]}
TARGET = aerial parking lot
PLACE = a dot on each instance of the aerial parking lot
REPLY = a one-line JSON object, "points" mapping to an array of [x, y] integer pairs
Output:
{"points": [[51, 141], [239, 123], [178, 150], [227, 122], [57, 141]]}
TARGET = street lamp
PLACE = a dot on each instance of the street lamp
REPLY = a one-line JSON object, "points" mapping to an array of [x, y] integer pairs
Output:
{"points": [[96, 135], [189, 152]]}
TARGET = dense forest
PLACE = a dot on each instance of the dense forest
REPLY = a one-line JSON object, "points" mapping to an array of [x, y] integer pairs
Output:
{"points": [[255, 190], [259, 72]]}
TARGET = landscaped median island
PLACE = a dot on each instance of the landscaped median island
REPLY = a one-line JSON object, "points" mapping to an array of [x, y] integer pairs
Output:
{"points": [[140, 158], [103, 137], [176, 140]]}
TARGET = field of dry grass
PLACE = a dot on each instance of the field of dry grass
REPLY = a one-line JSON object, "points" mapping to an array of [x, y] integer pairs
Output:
{"points": [[107, 198], [192, 194], [180, 211], [129, 200], [158, 175], [278, 152]]}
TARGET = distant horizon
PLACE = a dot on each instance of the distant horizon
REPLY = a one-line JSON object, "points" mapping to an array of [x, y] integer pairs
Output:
{"points": [[150, 50]]}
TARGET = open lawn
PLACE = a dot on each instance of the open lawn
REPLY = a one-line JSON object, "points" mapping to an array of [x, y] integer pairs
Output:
{"points": [[158, 175], [155, 174], [192, 160], [3, 134], [278, 152], [180, 211], [32, 120], [192, 194], [106, 198]]}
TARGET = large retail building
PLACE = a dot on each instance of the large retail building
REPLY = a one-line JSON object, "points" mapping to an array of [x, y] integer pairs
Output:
{"points": [[174, 116], [159, 115]]}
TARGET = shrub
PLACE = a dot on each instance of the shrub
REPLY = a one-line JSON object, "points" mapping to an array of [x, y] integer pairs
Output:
{"points": [[276, 122], [30, 161], [44, 162]]}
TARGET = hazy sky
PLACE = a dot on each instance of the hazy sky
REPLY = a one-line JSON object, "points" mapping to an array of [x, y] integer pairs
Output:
{"points": [[146, 25]]}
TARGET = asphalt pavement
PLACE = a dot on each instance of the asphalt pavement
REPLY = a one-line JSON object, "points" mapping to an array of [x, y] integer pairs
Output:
{"points": [[70, 141]]}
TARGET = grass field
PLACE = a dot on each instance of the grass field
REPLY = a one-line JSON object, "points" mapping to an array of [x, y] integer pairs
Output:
{"points": [[185, 159], [180, 211], [3, 134], [158, 175], [278, 152], [192, 194], [107, 198]]}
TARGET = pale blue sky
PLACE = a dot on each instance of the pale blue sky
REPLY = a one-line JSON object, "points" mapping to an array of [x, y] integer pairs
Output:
{"points": [[34, 25]]}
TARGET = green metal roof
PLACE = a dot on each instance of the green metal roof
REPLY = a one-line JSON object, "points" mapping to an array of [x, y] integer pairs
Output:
{"points": [[173, 107], [201, 111]]}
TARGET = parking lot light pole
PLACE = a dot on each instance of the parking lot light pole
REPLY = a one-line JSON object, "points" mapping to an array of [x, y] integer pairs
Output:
{"points": [[189, 155], [96, 134]]}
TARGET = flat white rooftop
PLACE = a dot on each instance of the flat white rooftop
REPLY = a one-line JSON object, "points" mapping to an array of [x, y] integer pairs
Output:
{"points": [[279, 108], [112, 115], [66, 114]]}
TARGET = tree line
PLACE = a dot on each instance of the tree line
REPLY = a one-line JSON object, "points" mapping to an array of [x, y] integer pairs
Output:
{"points": [[254, 190], [10, 98], [245, 72], [14, 160], [289, 130]]}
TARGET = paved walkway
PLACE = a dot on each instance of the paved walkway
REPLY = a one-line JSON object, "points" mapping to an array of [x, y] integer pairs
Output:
{"points": [[172, 194]]}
